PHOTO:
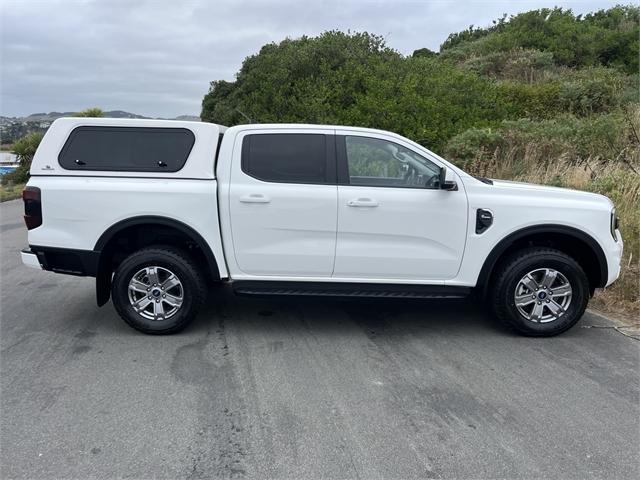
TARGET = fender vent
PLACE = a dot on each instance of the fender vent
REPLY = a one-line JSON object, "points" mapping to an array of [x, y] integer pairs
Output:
{"points": [[484, 219]]}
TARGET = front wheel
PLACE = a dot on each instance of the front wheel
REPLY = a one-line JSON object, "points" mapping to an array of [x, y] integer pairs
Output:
{"points": [[158, 290], [540, 292]]}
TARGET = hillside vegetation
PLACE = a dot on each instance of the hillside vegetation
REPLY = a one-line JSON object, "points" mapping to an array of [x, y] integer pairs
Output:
{"points": [[544, 96]]}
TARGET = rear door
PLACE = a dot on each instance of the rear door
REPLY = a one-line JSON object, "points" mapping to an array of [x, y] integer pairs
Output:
{"points": [[283, 202], [394, 222]]}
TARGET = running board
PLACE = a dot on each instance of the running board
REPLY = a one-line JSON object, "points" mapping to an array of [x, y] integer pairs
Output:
{"points": [[338, 289]]}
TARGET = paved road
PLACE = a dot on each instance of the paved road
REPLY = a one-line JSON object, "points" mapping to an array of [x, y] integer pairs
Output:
{"points": [[303, 389]]}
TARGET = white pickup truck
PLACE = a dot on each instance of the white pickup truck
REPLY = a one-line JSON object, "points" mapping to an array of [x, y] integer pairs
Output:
{"points": [[158, 210]]}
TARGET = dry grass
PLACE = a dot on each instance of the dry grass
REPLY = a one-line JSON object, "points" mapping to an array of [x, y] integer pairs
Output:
{"points": [[10, 191]]}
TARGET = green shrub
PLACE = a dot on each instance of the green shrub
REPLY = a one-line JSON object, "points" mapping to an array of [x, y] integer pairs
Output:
{"points": [[469, 144], [537, 100], [19, 175], [607, 37], [523, 65], [25, 148], [591, 90]]}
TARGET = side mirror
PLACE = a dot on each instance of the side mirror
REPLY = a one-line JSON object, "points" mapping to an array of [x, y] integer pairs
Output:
{"points": [[447, 180]]}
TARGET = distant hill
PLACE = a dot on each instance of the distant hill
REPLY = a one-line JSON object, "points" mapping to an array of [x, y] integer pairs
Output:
{"points": [[187, 118], [12, 128], [51, 116]]}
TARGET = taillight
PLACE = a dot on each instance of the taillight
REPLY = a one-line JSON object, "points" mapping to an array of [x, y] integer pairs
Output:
{"points": [[32, 207]]}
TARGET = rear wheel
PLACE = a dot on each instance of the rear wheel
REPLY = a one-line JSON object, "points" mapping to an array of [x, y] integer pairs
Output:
{"points": [[540, 292], [158, 290]]}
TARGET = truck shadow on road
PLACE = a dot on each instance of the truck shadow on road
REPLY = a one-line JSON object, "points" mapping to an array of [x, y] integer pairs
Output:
{"points": [[332, 315]]}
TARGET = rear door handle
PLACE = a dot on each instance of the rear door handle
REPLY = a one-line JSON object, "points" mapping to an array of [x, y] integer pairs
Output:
{"points": [[362, 202], [255, 198]]}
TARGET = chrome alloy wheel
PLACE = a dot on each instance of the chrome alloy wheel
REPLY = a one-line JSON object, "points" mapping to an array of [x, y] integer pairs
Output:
{"points": [[543, 295], [155, 293]]}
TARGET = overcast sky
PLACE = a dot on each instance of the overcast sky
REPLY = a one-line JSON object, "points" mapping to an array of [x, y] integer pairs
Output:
{"points": [[157, 57]]}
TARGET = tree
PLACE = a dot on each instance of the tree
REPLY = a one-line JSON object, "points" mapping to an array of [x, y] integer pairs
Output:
{"points": [[25, 148], [354, 79], [313, 80], [424, 52], [90, 112]]}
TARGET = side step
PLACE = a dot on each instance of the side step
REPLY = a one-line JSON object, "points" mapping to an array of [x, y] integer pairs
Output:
{"points": [[340, 289]]}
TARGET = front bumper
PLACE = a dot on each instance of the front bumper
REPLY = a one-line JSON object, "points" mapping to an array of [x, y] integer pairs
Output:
{"points": [[614, 259], [30, 259]]}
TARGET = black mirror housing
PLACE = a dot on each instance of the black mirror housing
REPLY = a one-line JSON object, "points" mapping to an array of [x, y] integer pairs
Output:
{"points": [[444, 184]]}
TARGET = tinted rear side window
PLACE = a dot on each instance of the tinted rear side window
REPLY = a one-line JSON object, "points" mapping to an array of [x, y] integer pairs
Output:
{"points": [[289, 158], [132, 149]]}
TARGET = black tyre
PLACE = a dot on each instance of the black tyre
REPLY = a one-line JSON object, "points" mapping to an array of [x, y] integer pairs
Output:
{"points": [[539, 292], [158, 290]]}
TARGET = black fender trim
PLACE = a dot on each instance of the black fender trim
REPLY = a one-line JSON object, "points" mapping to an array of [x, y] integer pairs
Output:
{"points": [[104, 274], [491, 260]]}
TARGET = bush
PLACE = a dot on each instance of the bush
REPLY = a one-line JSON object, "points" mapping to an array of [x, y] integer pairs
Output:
{"points": [[538, 100], [591, 90], [19, 175], [25, 148], [469, 144], [524, 65], [90, 112], [606, 38], [598, 138], [579, 92]]}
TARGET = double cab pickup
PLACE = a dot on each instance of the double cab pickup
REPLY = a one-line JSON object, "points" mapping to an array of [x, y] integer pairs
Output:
{"points": [[157, 211]]}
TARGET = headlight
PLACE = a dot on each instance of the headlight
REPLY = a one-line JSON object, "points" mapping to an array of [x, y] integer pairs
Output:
{"points": [[615, 224]]}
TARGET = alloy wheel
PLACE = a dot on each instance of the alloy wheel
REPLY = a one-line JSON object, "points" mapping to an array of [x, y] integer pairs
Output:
{"points": [[543, 295], [155, 293]]}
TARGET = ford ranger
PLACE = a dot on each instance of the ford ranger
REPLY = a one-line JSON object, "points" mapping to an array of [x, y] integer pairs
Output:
{"points": [[158, 210]]}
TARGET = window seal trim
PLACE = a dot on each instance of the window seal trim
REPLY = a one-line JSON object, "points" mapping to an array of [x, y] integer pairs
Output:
{"points": [[74, 132]]}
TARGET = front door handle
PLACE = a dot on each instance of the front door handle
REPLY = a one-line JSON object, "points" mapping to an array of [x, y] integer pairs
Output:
{"points": [[255, 198], [362, 202]]}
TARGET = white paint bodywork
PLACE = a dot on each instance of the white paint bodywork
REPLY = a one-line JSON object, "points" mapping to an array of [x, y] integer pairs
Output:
{"points": [[277, 228], [200, 164], [78, 207], [408, 233], [272, 231]]}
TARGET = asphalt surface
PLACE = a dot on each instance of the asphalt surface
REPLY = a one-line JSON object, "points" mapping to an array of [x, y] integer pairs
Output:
{"points": [[298, 388]]}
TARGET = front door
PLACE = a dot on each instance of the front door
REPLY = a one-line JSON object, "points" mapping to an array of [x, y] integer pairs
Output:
{"points": [[283, 202], [394, 222]]}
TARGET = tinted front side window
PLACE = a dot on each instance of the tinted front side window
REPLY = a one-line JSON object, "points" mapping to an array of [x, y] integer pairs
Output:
{"points": [[286, 157], [133, 149], [379, 163]]}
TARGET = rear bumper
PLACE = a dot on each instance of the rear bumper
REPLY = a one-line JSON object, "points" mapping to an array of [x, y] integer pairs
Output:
{"points": [[30, 259], [62, 260]]}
